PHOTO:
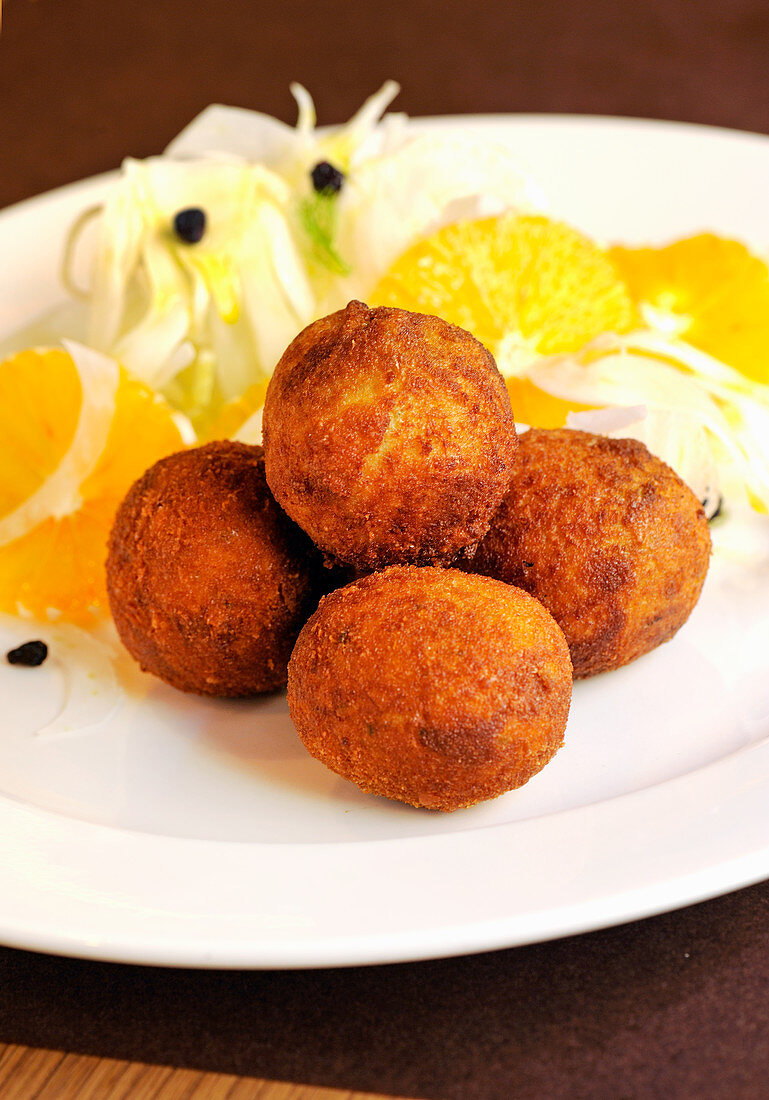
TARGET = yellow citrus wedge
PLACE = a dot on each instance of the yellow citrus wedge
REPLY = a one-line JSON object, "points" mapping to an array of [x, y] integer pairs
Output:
{"points": [[708, 290], [525, 286], [75, 436]]}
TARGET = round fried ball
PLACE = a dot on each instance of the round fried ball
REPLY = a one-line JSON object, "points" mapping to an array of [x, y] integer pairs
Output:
{"points": [[431, 686], [209, 581], [607, 536], [388, 436]]}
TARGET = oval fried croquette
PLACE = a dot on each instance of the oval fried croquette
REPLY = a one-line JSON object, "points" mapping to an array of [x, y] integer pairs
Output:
{"points": [[431, 686], [209, 582], [388, 437], [607, 536]]}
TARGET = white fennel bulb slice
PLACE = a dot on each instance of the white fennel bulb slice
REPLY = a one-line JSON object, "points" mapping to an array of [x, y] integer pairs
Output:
{"points": [[704, 418]]}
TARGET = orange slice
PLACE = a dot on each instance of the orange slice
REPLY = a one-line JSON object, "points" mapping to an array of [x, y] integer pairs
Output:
{"points": [[52, 556], [708, 290], [525, 286]]}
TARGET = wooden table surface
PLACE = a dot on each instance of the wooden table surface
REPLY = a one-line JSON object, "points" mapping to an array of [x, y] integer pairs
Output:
{"points": [[674, 1006], [52, 1074]]}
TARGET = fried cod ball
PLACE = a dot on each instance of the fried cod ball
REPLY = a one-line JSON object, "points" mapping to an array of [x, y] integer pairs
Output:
{"points": [[607, 536], [431, 686], [388, 437], [209, 581]]}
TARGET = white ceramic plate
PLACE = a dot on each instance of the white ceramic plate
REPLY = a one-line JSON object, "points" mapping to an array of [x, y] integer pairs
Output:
{"points": [[173, 830]]}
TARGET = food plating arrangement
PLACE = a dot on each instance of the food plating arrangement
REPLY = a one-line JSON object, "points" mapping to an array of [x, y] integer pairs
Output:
{"points": [[389, 440], [348, 419]]}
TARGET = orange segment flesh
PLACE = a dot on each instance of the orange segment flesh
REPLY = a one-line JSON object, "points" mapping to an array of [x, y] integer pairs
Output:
{"points": [[708, 290], [39, 405], [512, 276]]}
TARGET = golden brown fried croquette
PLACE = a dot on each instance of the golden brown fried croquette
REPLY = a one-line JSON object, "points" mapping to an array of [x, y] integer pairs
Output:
{"points": [[209, 582], [388, 436], [431, 686], [608, 538]]}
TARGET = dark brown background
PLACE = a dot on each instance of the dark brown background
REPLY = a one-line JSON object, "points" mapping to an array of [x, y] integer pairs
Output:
{"points": [[84, 83], [675, 1006]]}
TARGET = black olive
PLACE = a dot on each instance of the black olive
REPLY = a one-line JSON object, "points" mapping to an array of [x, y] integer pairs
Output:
{"points": [[190, 224], [326, 179], [30, 653]]}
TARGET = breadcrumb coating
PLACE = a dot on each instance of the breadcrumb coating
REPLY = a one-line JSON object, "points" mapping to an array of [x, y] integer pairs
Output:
{"points": [[209, 581], [388, 437], [607, 536], [431, 686]]}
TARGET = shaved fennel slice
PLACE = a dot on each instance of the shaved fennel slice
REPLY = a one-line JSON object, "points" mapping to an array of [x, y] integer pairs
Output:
{"points": [[668, 376], [276, 293], [392, 201], [59, 495], [159, 304], [287, 267], [614, 420], [305, 123], [287, 150], [155, 349], [347, 146], [122, 230], [149, 347], [234, 131]]}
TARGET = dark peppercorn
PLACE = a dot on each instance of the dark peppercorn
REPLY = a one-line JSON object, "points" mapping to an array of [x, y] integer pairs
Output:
{"points": [[190, 224], [327, 179], [30, 653]]}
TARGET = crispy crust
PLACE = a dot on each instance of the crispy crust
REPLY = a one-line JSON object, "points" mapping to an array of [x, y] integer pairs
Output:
{"points": [[209, 582], [431, 686], [607, 536], [388, 436]]}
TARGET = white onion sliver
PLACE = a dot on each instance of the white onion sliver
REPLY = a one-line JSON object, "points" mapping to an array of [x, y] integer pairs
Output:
{"points": [[700, 392]]}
